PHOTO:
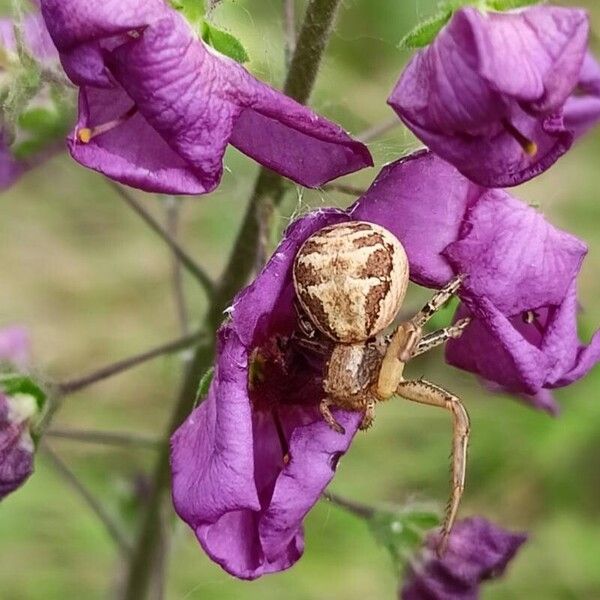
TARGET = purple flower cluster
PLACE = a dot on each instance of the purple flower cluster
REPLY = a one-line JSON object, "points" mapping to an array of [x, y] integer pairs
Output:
{"points": [[477, 551], [16, 411]]}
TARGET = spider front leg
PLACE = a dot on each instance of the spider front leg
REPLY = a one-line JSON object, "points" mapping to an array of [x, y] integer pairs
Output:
{"points": [[437, 338], [328, 415], [438, 300], [424, 392]]}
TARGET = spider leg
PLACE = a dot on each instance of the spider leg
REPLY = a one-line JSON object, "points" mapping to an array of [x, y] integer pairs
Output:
{"points": [[328, 416], [438, 300], [437, 338], [368, 415], [424, 392]]}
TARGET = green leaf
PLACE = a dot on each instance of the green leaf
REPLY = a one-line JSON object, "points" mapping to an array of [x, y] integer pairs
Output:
{"points": [[402, 531], [12, 384], [424, 33], [193, 10], [38, 126], [509, 4], [224, 42], [204, 386]]}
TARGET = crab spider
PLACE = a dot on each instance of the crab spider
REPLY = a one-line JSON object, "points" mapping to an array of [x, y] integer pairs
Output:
{"points": [[350, 281]]}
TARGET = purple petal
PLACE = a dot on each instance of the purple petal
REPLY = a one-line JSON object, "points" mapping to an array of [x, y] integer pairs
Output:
{"points": [[267, 304], [477, 551], [495, 349], [315, 449], [582, 110], [10, 168], [542, 400], [574, 360], [422, 200], [513, 256], [15, 346], [36, 38], [534, 55], [212, 451]]}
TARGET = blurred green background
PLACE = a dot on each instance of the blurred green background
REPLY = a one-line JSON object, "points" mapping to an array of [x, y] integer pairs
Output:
{"points": [[93, 285]]}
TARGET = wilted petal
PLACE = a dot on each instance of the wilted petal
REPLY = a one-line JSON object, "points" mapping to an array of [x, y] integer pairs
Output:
{"points": [[422, 200], [16, 445], [477, 551]]}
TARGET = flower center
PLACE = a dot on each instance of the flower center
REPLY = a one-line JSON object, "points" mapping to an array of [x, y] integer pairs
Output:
{"points": [[531, 317], [86, 134], [529, 146]]}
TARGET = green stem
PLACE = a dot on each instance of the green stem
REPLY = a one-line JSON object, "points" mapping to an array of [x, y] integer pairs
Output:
{"points": [[313, 38], [111, 526], [109, 438], [75, 385], [358, 509]]}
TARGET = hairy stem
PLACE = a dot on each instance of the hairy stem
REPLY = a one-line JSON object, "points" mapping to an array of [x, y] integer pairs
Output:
{"points": [[75, 385], [356, 508], [344, 189], [304, 66], [113, 529], [174, 206], [289, 25], [186, 260], [108, 438]]}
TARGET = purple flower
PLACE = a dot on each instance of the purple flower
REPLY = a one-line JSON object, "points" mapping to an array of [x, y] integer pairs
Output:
{"points": [[521, 273], [582, 110], [157, 107], [477, 552], [251, 461], [38, 43], [16, 446], [14, 346], [488, 94]]}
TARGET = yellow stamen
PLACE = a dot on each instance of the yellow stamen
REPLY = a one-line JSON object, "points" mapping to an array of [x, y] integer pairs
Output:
{"points": [[86, 134], [529, 146]]}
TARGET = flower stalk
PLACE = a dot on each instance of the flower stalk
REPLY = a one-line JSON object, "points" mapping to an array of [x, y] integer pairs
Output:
{"points": [[111, 527], [184, 258], [75, 385]]}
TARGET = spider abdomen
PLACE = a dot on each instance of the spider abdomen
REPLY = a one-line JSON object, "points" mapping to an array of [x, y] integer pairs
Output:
{"points": [[351, 279]]}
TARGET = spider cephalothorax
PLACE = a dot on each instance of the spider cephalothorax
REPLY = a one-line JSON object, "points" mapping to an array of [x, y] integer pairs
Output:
{"points": [[350, 281]]}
